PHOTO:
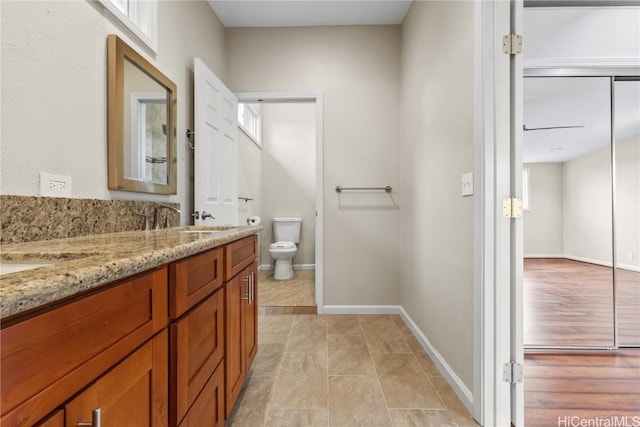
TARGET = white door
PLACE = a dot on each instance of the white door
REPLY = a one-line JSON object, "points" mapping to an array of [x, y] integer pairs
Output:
{"points": [[216, 150]]}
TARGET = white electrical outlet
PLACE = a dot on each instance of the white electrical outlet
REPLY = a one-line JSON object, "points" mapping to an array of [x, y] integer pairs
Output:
{"points": [[631, 256], [55, 185], [467, 184]]}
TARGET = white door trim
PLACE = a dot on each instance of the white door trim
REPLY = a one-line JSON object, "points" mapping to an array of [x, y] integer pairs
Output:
{"points": [[492, 323], [317, 98]]}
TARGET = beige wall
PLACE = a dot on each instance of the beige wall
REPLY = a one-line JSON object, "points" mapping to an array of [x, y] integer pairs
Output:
{"points": [[289, 174], [436, 149], [54, 90], [357, 69], [543, 222]]}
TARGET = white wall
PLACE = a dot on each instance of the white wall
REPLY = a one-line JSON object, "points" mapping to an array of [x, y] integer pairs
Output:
{"points": [[572, 36], [436, 149], [627, 162], [543, 222], [54, 90], [358, 71], [249, 179], [587, 207], [289, 173]]}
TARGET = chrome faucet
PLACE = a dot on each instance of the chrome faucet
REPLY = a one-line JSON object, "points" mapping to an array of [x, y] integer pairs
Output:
{"points": [[156, 215]]}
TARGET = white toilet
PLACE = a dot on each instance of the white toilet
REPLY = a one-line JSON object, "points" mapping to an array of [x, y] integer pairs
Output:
{"points": [[286, 233]]}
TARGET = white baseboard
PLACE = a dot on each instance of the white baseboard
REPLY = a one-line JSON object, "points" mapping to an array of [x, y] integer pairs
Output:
{"points": [[269, 267], [464, 394], [461, 390], [362, 309]]}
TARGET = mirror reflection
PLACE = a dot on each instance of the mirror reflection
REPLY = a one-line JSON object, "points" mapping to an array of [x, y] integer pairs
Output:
{"points": [[142, 148]]}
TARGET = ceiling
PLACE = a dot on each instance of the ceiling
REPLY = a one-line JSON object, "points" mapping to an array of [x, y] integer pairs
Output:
{"points": [[292, 13], [576, 101]]}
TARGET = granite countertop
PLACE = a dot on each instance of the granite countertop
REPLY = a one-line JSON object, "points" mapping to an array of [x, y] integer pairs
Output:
{"points": [[84, 263]]}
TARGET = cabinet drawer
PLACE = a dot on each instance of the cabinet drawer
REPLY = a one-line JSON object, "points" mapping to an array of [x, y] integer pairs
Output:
{"points": [[47, 358], [193, 279], [208, 409], [197, 348], [240, 254]]}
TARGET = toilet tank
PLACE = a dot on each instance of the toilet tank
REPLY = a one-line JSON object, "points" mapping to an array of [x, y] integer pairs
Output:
{"points": [[287, 229]]}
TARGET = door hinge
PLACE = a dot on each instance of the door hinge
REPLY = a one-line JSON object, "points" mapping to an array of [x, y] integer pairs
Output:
{"points": [[512, 372], [512, 208], [512, 44]]}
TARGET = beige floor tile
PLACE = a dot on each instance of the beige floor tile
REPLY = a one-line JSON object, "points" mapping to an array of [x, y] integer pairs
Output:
{"points": [[425, 361], [267, 361], [356, 401], [422, 418], [296, 418], [308, 324], [451, 401], [300, 391], [251, 406], [403, 382], [264, 338], [304, 364], [275, 324], [307, 343], [297, 291], [383, 335], [349, 355], [343, 325], [402, 327]]}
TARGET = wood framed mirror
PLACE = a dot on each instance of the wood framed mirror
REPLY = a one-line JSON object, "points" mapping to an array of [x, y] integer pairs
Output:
{"points": [[141, 116]]}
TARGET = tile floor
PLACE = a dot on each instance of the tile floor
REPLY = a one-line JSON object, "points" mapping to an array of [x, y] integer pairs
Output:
{"points": [[332, 370], [297, 291]]}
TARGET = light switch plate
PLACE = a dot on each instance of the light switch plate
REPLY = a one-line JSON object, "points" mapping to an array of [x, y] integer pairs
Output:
{"points": [[55, 185], [467, 184]]}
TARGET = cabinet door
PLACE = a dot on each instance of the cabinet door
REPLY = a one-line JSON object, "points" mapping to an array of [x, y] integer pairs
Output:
{"points": [[135, 392], [54, 420], [251, 317], [208, 409], [236, 294], [197, 348]]}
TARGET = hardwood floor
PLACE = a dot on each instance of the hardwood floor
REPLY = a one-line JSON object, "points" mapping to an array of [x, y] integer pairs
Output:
{"points": [[586, 385], [570, 303]]}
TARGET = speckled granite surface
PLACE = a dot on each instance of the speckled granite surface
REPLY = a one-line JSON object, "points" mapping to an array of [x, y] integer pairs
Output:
{"points": [[32, 218], [91, 261]]}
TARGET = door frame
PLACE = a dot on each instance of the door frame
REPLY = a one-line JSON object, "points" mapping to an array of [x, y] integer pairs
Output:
{"points": [[317, 99], [496, 335]]}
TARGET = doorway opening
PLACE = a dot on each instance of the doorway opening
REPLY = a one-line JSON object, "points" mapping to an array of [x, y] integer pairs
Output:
{"points": [[288, 181]]}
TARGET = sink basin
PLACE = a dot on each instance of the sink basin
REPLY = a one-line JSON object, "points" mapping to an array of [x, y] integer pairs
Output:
{"points": [[7, 267], [204, 228]]}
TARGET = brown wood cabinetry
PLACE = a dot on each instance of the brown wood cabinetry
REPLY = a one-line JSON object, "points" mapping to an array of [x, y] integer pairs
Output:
{"points": [[241, 331], [134, 393], [47, 358], [194, 278], [208, 409], [197, 349], [171, 346]]}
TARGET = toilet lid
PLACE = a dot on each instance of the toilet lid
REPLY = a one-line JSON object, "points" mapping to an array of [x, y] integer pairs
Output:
{"points": [[282, 245]]}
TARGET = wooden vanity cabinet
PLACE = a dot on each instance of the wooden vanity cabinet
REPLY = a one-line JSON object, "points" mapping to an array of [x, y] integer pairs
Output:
{"points": [[134, 393], [197, 340], [241, 331], [47, 358]]}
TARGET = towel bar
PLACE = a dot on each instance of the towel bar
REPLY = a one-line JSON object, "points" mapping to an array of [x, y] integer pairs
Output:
{"points": [[387, 189]]}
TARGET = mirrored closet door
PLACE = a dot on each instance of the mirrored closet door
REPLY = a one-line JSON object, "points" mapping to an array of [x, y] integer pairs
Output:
{"points": [[581, 157]]}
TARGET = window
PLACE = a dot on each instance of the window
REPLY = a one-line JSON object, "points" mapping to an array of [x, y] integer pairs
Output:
{"points": [[525, 189], [250, 121], [139, 17]]}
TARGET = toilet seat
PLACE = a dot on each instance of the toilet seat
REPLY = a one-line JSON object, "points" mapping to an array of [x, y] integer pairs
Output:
{"points": [[282, 245]]}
